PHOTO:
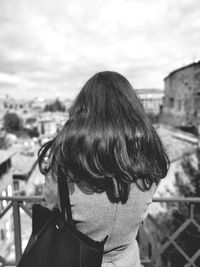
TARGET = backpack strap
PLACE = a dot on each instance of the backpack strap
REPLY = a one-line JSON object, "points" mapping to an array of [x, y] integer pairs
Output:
{"points": [[65, 205]]}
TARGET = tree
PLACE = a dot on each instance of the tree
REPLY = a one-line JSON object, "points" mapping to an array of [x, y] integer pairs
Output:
{"points": [[55, 106], [12, 122]]}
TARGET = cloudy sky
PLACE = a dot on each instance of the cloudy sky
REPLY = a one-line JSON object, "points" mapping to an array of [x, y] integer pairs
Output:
{"points": [[51, 47]]}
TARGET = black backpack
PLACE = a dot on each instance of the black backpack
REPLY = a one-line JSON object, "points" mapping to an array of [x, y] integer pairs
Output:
{"points": [[55, 241]]}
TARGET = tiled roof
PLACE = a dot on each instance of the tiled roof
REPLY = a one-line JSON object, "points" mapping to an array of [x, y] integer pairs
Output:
{"points": [[182, 68]]}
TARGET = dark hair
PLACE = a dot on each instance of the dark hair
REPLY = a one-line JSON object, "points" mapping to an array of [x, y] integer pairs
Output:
{"points": [[108, 141]]}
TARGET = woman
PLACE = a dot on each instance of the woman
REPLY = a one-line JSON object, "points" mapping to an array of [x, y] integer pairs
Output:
{"points": [[113, 160]]}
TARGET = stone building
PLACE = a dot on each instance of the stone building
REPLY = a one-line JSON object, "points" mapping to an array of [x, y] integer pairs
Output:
{"points": [[6, 190], [47, 126], [152, 99], [181, 105], [12, 105]]}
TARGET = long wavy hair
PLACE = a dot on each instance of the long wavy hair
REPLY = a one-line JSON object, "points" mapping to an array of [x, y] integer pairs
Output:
{"points": [[108, 141]]}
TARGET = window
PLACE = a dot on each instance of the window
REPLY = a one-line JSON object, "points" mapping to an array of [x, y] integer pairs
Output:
{"points": [[9, 163], [171, 102], [2, 234], [16, 185], [3, 168]]}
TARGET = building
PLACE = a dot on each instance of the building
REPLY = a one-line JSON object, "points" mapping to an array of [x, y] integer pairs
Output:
{"points": [[19, 177], [181, 105], [38, 104], [152, 99], [12, 105], [24, 165], [6, 190], [47, 127], [5, 175], [50, 123]]}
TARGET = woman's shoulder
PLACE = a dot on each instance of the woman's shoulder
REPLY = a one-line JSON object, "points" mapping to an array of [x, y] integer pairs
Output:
{"points": [[82, 192]]}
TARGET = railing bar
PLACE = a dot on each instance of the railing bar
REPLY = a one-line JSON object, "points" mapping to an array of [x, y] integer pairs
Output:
{"points": [[27, 199], [192, 210], [27, 210], [6, 209], [170, 241], [196, 255], [17, 202], [17, 231], [189, 265], [180, 230], [196, 224], [155, 199], [10, 263], [177, 199], [182, 252]]}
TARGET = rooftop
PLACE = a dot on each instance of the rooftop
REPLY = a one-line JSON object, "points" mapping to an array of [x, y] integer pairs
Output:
{"points": [[182, 68], [149, 91], [5, 155], [23, 164]]}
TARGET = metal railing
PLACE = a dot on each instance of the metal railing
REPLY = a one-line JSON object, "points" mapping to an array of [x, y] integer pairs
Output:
{"points": [[15, 204], [171, 239]]}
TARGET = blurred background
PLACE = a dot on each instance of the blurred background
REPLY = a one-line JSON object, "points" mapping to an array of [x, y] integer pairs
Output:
{"points": [[48, 50]]}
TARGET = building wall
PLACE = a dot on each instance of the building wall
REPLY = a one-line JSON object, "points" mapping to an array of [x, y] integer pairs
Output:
{"points": [[197, 91], [181, 105], [16, 105], [151, 99], [47, 127], [6, 190]]}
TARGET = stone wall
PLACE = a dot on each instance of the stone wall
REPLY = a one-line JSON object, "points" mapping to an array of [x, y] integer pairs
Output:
{"points": [[182, 97]]}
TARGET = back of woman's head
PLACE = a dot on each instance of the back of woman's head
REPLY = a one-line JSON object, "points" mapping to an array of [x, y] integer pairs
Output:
{"points": [[108, 141]]}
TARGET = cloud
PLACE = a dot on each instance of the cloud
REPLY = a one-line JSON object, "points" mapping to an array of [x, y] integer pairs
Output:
{"points": [[55, 46]]}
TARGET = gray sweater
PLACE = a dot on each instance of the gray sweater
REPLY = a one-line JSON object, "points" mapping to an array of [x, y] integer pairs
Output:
{"points": [[97, 217]]}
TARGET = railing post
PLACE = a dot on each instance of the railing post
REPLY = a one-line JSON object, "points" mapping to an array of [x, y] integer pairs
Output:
{"points": [[191, 211], [17, 231]]}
